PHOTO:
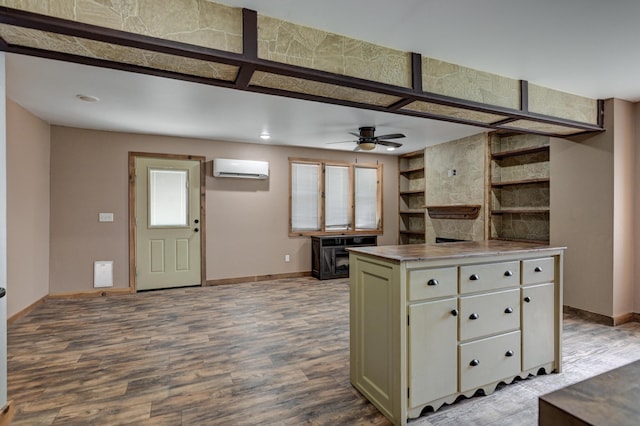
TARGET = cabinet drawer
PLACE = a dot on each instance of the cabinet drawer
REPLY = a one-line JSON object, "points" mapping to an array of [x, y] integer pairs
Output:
{"points": [[536, 271], [489, 313], [489, 360], [489, 276], [430, 283]]}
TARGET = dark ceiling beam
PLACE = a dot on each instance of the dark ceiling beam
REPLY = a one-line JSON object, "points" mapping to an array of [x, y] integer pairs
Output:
{"points": [[249, 48], [524, 96], [248, 62]]}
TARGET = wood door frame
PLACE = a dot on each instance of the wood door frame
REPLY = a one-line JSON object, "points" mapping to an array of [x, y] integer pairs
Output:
{"points": [[132, 211]]}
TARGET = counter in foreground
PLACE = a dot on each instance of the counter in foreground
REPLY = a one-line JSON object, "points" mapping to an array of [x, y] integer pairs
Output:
{"points": [[432, 322]]}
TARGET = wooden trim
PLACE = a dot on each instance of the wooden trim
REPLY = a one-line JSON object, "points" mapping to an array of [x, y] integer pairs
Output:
{"points": [[92, 293], [520, 182], [24, 312], [589, 316], [257, 278], [132, 211], [6, 414]]}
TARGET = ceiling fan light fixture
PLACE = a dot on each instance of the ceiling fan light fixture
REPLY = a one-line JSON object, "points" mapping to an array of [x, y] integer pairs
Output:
{"points": [[367, 146]]}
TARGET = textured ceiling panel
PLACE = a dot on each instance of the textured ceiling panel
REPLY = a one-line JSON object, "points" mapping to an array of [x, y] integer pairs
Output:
{"points": [[25, 37], [538, 127], [293, 44], [309, 87], [564, 105], [460, 82], [459, 113], [197, 22]]}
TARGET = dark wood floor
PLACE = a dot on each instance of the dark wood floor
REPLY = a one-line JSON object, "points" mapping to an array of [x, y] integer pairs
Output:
{"points": [[265, 353]]}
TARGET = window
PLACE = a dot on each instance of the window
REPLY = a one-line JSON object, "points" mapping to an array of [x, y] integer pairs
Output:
{"points": [[332, 197]]}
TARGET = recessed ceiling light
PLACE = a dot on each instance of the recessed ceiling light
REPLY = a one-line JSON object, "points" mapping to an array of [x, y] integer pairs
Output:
{"points": [[265, 136], [87, 98]]}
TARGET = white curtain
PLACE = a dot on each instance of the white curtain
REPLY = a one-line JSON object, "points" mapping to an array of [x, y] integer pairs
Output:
{"points": [[304, 197]]}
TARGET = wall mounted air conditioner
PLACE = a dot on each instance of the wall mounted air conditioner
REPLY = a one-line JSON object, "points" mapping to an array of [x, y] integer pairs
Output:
{"points": [[247, 169]]}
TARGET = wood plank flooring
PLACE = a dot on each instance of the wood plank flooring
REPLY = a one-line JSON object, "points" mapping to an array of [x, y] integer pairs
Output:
{"points": [[267, 353]]}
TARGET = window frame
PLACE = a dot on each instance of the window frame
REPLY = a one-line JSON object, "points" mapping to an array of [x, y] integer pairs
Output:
{"points": [[322, 164]]}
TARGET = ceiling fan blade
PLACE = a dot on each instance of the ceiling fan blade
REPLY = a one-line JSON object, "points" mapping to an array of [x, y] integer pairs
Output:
{"points": [[357, 135], [391, 136], [389, 143]]}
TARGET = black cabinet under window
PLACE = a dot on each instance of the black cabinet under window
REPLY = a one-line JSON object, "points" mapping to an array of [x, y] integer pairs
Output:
{"points": [[329, 257]]}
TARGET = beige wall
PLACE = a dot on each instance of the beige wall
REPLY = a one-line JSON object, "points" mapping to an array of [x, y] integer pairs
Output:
{"points": [[467, 156], [623, 208], [247, 220], [592, 196], [27, 208]]}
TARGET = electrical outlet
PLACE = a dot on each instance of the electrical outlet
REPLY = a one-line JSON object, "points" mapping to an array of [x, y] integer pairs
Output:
{"points": [[287, 258], [452, 172]]}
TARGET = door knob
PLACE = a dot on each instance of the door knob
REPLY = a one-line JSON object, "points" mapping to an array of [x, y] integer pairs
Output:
{"points": [[509, 353], [196, 221], [196, 230], [474, 362], [2, 292], [527, 299], [508, 310], [454, 312], [474, 316]]}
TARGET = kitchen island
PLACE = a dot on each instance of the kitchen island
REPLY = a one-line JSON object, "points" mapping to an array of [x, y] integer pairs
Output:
{"points": [[431, 322]]}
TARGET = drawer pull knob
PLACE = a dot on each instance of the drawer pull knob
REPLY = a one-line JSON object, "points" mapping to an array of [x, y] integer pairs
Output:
{"points": [[474, 277], [509, 353], [537, 269], [474, 316], [474, 362], [432, 281], [509, 310], [508, 273], [454, 312], [527, 299]]}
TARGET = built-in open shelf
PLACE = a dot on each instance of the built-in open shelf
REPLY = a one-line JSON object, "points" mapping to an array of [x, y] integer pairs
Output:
{"points": [[412, 170], [457, 211], [412, 191], [520, 182], [517, 152], [521, 211], [413, 211], [523, 240], [412, 231]]}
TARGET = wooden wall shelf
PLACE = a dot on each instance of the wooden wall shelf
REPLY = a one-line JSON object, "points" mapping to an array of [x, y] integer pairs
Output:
{"points": [[517, 152], [459, 211], [520, 182]]}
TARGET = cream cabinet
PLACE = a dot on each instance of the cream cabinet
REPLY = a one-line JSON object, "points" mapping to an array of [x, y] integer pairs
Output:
{"points": [[432, 322]]}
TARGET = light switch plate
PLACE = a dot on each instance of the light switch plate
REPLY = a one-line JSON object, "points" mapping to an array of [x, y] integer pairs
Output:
{"points": [[105, 217]]}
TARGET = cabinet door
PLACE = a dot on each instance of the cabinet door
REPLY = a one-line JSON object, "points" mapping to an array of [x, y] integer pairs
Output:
{"points": [[432, 335], [538, 325]]}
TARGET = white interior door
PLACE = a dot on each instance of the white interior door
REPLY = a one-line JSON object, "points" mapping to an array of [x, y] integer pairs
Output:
{"points": [[168, 238]]}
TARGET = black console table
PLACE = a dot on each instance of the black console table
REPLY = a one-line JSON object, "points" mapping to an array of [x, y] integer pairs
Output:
{"points": [[329, 257]]}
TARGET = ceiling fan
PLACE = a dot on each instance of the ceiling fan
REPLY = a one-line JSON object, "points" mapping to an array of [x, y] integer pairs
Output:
{"points": [[368, 141]]}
